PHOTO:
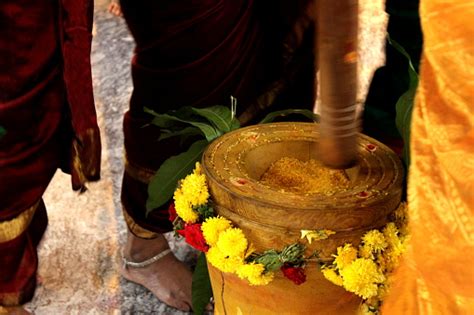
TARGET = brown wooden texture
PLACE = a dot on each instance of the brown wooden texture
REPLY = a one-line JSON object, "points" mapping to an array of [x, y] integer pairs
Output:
{"points": [[337, 60], [272, 219]]}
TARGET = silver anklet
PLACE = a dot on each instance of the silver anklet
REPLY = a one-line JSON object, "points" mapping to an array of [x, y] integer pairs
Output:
{"points": [[127, 263]]}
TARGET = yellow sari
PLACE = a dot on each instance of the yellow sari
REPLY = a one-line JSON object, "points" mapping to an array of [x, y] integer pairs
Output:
{"points": [[437, 276]]}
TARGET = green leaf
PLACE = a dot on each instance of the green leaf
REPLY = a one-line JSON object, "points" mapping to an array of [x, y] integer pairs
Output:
{"points": [[270, 259], [293, 253], [187, 131], [235, 124], [201, 287], [219, 116], [161, 120], [207, 130], [164, 182], [404, 106], [205, 211], [282, 113], [2, 132], [413, 75]]}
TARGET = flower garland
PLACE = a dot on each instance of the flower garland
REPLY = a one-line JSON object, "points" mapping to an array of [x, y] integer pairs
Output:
{"points": [[226, 246], [363, 270]]}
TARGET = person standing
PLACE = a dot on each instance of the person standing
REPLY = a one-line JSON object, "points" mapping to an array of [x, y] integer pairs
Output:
{"points": [[47, 110], [200, 53], [436, 275]]}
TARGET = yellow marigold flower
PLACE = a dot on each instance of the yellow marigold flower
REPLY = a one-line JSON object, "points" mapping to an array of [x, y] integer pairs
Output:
{"points": [[212, 227], [223, 262], [373, 303], [383, 292], [404, 231], [366, 252], [197, 169], [183, 208], [194, 187], [396, 246], [263, 279], [375, 241], [254, 273], [332, 276], [392, 262], [232, 242], [401, 215], [390, 232], [364, 309], [250, 270], [394, 254], [316, 235], [362, 278], [382, 261], [250, 250], [345, 255]]}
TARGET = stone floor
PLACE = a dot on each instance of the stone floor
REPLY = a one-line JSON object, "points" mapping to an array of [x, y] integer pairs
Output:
{"points": [[80, 253]]}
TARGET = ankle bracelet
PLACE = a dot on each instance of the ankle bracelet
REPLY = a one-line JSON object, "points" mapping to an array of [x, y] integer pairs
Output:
{"points": [[127, 263]]}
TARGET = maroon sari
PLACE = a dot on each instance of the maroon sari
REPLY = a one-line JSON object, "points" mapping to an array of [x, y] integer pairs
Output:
{"points": [[47, 109], [197, 53]]}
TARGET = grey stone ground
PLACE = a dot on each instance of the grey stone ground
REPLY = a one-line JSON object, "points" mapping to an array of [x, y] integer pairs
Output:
{"points": [[80, 253]]}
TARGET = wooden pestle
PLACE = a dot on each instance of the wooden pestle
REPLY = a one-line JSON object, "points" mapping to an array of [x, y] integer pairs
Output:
{"points": [[337, 23]]}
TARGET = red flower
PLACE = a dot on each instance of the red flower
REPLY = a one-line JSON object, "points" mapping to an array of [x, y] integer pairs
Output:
{"points": [[181, 232], [172, 212], [193, 235], [295, 274]]}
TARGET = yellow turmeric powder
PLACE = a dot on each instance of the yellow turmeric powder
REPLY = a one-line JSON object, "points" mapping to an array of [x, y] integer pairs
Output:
{"points": [[304, 177]]}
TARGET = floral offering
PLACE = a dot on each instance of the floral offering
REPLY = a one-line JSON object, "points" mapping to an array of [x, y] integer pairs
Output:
{"points": [[226, 246], [363, 270]]}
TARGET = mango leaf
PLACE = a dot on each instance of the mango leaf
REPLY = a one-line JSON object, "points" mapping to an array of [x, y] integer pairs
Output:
{"points": [[207, 130], [219, 116], [282, 113], [404, 106], [163, 121], [201, 286], [235, 124], [164, 182], [187, 131], [412, 74]]}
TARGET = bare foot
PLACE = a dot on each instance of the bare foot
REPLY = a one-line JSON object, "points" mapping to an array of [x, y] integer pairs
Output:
{"points": [[168, 278], [114, 8], [13, 310]]}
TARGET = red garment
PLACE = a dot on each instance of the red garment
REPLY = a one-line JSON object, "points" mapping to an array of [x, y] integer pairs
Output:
{"points": [[47, 109], [19, 261], [193, 53]]}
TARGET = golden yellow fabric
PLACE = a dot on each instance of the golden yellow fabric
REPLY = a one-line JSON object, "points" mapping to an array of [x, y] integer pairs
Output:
{"points": [[136, 229], [13, 228], [437, 276]]}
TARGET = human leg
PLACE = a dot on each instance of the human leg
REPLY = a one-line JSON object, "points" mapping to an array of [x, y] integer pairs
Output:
{"points": [[19, 237], [168, 278]]}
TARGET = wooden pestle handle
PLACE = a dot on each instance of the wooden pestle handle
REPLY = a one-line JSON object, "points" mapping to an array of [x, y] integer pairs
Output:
{"points": [[337, 23]]}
